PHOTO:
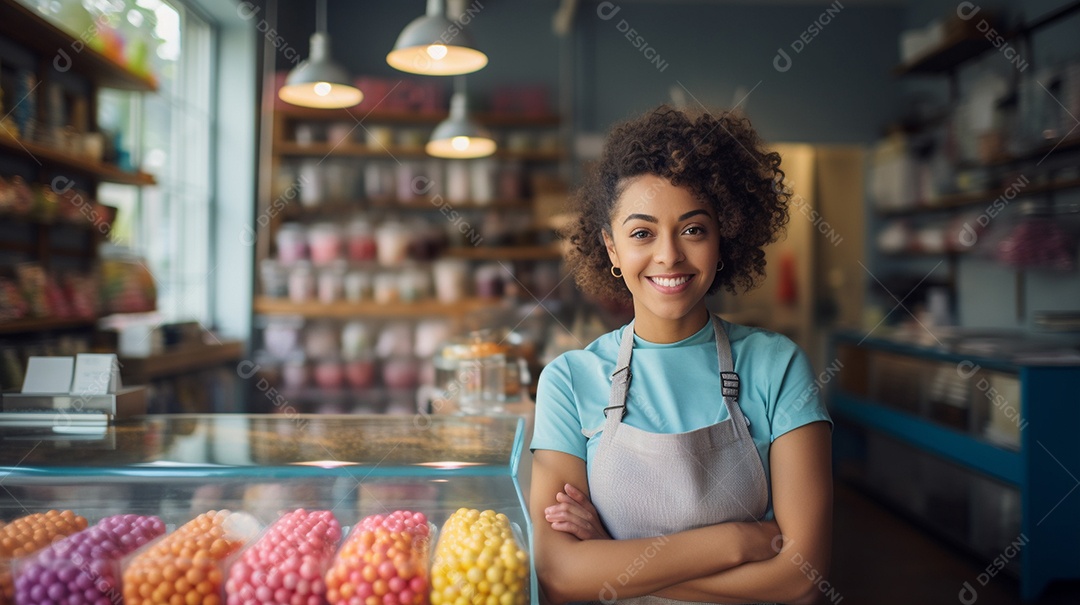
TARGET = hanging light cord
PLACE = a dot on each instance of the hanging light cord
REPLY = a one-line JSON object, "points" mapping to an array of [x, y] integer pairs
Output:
{"points": [[320, 16]]}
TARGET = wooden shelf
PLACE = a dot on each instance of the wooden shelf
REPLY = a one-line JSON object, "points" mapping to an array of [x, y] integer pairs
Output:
{"points": [[349, 208], [48, 155], [41, 324], [27, 28], [348, 310], [506, 253], [967, 200], [181, 361], [945, 57], [1060, 146], [290, 148], [352, 114]]}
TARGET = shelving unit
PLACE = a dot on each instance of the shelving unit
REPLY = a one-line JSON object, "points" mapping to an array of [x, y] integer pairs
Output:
{"points": [[1047, 180], [922, 429], [66, 60], [298, 138]]}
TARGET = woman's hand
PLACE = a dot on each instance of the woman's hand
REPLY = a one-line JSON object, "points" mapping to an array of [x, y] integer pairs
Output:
{"points": [[575, 514]]}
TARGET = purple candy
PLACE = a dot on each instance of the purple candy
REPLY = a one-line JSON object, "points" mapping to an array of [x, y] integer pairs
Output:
{"points": [[81, 569]]}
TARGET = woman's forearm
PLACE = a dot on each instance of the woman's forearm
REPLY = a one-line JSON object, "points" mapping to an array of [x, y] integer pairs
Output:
{"points": [[786, 578], [591, 570]]}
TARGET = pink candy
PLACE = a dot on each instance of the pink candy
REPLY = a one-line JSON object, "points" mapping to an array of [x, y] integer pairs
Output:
{"points": [[286, 565], [83, 568]]}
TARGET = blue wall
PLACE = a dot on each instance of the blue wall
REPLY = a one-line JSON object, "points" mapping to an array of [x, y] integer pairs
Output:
{"points": [[837, 89]]}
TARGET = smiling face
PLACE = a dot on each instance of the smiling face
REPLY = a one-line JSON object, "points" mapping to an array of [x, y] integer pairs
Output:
{"points": [[667, 244]]}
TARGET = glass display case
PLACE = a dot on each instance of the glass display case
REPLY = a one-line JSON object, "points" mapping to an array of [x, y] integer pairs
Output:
{"points": [[178, 467]]}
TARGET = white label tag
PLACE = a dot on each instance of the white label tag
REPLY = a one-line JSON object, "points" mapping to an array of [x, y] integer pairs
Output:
{"points": [[48, 375], [96, 374]]}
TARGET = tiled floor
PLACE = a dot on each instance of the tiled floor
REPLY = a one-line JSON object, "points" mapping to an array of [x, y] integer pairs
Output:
{"points": [[881, 559]]}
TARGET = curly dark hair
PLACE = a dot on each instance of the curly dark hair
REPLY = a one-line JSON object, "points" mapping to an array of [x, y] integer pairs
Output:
{"points": [[719, 158]]}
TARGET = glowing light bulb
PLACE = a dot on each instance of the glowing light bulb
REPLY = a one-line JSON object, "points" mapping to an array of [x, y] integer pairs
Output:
{"points": [[322, 89], [460, 143], [436, 51]]}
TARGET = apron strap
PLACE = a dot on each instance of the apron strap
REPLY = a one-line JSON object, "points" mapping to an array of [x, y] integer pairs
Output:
{"points": [[729, 380], [620, 379]]}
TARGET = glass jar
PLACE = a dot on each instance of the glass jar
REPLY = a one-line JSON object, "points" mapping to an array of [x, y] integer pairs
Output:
{"points": [[361, 241], [483, 181], [301, 282], [325, 242], [329, 373], [457, 181], [358, 286], [294, 372], [395, 340], [321, 340], [489, 281], [281, 336], [275, 278], [291, 240], [400, 373], [451, 277], [356, 340], [360, 373], [392, 242], [386, 288], [331, 287]]}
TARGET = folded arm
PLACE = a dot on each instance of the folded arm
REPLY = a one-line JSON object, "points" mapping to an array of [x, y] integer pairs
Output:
{"points": [[800, 463], [572, 569]]}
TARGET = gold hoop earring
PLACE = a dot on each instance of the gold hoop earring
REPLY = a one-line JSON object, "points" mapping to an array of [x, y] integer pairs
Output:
{"points": [[614, 274], [721, 267]]}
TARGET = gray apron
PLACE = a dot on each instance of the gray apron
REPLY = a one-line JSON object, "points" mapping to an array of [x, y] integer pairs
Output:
{"points": [[647, 484]]}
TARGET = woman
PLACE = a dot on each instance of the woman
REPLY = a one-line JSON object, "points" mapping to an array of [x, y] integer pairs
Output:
{"points": [[671, 455]]}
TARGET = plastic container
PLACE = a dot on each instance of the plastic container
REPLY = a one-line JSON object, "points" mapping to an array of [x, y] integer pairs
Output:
{"points": [[325, 241], [85, 566], [395, 340], [27, 535], [190, 562], [479, 554], [365, 570], [291, 240], [287, 564]]}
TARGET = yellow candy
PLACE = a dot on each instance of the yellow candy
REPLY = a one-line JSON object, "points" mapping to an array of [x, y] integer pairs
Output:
{"points": [[479, 562]]}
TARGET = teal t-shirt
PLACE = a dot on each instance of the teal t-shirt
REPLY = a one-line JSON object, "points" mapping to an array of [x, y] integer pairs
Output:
{"points": [[676, 388]]}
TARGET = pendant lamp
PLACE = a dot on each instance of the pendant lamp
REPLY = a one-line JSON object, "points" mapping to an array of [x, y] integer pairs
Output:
{"points": [[458, 137], [433, 45], [318, 81]]}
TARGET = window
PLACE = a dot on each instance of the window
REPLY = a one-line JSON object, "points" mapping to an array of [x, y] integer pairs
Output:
{"points": [[168, 134]]}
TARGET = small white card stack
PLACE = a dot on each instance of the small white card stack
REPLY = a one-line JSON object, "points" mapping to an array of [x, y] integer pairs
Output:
{"points": [[86, 374]]}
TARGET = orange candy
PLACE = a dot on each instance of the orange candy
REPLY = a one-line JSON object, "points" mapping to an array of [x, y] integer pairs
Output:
{"points": [[183, 568], [29, 534]]}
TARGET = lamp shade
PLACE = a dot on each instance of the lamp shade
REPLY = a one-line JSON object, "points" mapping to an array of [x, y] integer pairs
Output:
{"points": [[318, 81], [459, 137], [435, 46]]}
